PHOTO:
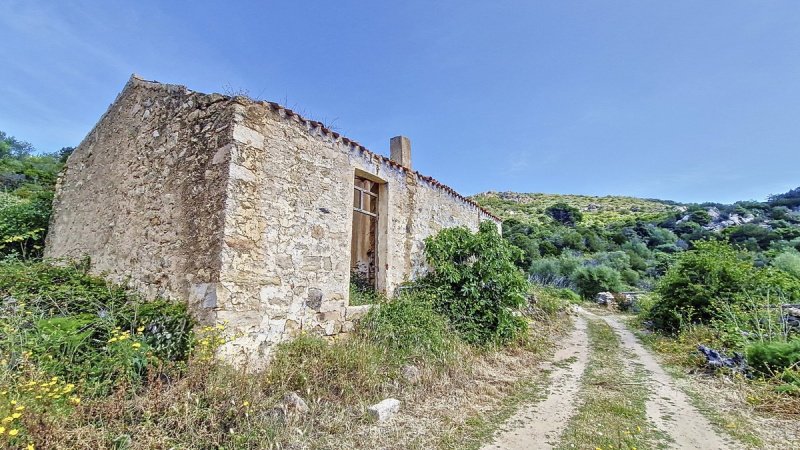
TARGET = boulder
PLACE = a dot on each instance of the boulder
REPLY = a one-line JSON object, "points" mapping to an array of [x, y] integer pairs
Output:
{"points": [[293, 402], [385, 409], [411, 373], [605, 298]]}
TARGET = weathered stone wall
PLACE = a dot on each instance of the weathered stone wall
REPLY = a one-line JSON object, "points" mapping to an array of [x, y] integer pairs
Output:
{"points": [[143, 194], [288, 225], [243, 208]]}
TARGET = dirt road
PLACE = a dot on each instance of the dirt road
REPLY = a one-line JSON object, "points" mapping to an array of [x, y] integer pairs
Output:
{"points": [[668, 409]]}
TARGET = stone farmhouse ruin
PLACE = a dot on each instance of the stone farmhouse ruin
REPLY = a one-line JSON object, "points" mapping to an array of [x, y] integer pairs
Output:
{"points": [[253, 214]]}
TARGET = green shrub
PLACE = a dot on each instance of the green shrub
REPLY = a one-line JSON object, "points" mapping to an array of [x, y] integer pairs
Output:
{"points": [[594, 279], [789, 262], [477, 285], [710, 273], [85, 330], [770, 358], [564, 214], [409, 327], [550, 300], [23, 224]]}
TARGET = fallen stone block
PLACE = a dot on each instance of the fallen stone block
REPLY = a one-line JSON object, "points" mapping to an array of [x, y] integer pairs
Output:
{"points": [[385, 409]]}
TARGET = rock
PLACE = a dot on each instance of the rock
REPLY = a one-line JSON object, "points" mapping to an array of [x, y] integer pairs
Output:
{"points": [[385, 409], [604, 298], [294, 402], [717, 360], [411, 373], [792, 311]]}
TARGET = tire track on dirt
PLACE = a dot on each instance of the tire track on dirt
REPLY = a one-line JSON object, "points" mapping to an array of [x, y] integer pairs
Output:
{"points": [[668, 407], [541, 424]]}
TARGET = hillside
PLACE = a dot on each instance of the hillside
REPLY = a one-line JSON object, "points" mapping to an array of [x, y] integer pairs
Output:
{"points": [[596, 210]]}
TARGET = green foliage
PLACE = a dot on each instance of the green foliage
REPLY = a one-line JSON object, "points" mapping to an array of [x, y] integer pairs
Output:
{"points": [[712, 278], [27, 183], [564, 214], [362, 292], [83, 329], [23, 223], [770, 358], [591, 280], [476, 283], [789, 262], [712, 272], [409, 327], [551, 300]]}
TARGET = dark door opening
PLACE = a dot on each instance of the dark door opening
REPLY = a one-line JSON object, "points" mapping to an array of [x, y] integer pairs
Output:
{"points": [[364, 243]]}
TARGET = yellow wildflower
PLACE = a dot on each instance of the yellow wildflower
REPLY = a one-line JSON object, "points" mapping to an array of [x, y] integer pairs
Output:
{"points": [[30, 447], [2, 430], [246, 403], [112, 340], [7, 419], [75, 399], [13, 402], [19, 408], [16, 416], [13, 432], [136, 345], [140, 329]]}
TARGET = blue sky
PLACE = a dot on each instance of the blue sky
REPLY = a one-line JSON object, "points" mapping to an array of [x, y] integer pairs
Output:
{"points": [[684, 100]]}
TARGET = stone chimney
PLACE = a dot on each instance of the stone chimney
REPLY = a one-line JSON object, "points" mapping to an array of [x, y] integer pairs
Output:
{"points": [[400, 151]]}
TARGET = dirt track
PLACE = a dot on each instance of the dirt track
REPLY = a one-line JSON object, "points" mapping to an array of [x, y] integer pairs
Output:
{"points": [[540, 425]]}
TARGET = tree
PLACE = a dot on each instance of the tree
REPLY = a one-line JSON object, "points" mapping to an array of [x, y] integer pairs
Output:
{"points": [[564, 214]]}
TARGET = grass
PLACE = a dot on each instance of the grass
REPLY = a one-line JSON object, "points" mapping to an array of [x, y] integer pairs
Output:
{"points": [[613, 414], [189, 399], [528, 386]]}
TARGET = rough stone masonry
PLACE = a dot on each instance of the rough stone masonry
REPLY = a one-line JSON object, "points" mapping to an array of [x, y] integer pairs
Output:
{"points": [[254, 215]]}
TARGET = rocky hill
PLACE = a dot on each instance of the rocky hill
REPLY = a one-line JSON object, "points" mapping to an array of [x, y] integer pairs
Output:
{"points": [[596, 210]]}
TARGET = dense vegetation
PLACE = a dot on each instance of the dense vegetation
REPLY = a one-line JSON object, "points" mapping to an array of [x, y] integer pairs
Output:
{"points": [[26, 195], [592, 244], [714, 274]]}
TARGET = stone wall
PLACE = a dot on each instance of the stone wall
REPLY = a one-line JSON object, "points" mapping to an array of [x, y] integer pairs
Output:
{"points": [[243, 208], [288, 225], [143, 194]]}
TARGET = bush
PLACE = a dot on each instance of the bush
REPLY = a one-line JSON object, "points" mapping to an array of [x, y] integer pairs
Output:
{"points": [[789, 262], [477, 285], [710, 273], [85, 330], [409, 327], [770, 358], [551, 300], [23, 224], [564, 214], [594, 279]]}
